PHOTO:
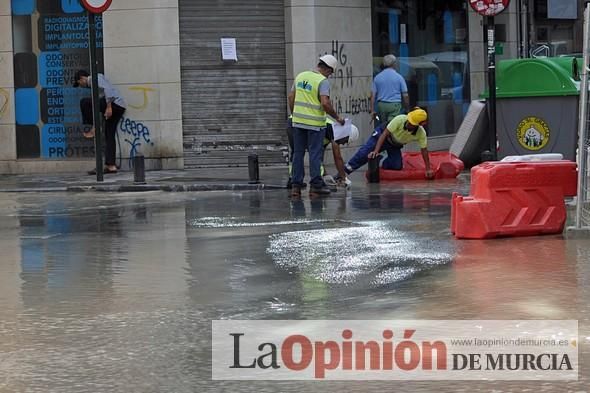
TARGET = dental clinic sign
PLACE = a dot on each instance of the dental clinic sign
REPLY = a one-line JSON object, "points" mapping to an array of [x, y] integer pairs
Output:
{"points": [[395, 350], [489, 7], [96, 6], [51, 45]]}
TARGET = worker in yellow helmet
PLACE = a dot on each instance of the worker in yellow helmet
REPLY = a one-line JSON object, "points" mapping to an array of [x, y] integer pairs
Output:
{"points": [[400, 131]]}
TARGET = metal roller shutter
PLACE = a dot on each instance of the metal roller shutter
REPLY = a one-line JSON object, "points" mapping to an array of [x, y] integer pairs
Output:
{"points": [[232, 109]]}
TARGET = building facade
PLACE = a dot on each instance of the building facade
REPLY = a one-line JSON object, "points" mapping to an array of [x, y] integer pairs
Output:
{"points": [[188, 106]]}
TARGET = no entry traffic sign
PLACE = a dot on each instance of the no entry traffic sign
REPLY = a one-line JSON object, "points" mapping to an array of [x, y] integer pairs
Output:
{"points": [[96, 6], [489, 7]]}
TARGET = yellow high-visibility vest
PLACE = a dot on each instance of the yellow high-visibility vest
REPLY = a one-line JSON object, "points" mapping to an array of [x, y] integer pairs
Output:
{"points": [[308, 108]]}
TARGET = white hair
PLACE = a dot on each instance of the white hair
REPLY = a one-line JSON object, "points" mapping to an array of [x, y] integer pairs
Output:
{"points": [[389, 60]]}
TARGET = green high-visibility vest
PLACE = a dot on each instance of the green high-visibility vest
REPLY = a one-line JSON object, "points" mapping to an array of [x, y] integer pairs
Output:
{"points": [[308, 108]]}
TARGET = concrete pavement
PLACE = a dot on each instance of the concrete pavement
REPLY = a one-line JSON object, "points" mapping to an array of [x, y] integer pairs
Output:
{"points": [[204, 179]]}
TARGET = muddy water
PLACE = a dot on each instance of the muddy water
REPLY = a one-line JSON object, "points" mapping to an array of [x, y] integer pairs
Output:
{"points": [[117, 292]]}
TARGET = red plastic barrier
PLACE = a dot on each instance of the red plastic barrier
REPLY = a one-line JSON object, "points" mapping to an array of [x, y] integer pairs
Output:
{"points": [[445, 165], [514, 199], [498, 175]]}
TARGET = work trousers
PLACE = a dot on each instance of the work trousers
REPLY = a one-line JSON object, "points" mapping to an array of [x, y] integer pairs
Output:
{"points": [[387, 111], [361, 157], [325, 144], [312, 141], [110, 128]]}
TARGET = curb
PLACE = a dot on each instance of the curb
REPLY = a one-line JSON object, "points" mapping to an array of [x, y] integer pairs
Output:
{"points": [[32, 189], [146, 188], [173, 187], [573, 233]]}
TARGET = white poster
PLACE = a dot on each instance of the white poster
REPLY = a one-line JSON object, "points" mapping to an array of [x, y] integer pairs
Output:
{"points": [[342, 131], [228, 49]]}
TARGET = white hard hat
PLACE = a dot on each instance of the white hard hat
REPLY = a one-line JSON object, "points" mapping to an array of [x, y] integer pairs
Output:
{"points": [[354, 133], [330, 61]]}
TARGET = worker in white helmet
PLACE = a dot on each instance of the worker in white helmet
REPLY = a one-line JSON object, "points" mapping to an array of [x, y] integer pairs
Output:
{"points": [[309, 102], [330, 139]]}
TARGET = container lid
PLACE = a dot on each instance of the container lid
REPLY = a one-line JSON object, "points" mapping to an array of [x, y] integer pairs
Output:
{"points": [[540, 77]]}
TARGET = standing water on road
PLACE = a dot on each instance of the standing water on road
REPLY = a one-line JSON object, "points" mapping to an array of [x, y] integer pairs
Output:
{"points": [[103, 292]]}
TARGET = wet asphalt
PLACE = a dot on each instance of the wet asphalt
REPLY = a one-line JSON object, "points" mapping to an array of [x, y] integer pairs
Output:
{"points": [[115, 292]]}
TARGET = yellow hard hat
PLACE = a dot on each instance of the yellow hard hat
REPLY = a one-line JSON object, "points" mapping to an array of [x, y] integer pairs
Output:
{"points": [[417, 116]]}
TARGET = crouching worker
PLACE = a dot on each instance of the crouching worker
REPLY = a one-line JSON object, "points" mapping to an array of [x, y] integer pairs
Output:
{"points": [[400, 131], [330, 140]]}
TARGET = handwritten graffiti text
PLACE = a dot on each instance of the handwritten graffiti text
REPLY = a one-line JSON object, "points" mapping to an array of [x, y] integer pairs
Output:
{"points": [[145, 96], [136, 134]]}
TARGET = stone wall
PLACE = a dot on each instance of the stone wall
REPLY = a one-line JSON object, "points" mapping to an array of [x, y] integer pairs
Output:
{"points": [[341, 28], [142, 58], [7, 121]]}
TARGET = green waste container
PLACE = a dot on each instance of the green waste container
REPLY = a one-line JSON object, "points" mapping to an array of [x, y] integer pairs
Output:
{"points": [[537, 106]]}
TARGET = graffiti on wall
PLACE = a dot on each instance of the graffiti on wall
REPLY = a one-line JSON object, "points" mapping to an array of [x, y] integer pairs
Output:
{"points": [[135, 135], [132, 133], [4, 99], [144, 94], [344, 71], [350, 96]]}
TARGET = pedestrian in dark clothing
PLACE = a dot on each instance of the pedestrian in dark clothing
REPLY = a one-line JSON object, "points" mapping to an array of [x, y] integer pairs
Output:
{"points": [[112, 106]]}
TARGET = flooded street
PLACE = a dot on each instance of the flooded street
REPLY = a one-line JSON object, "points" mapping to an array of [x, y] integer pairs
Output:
{"points": [[108, 292]]}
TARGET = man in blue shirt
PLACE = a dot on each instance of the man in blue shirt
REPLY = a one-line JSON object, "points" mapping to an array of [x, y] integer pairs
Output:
{"points": [[389, 92]]}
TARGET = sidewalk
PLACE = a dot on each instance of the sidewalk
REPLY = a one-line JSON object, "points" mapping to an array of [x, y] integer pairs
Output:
{"points": [[203, 179]]}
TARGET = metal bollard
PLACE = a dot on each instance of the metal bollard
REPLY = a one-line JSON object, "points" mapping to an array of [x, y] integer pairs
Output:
{"points": [[373, 175], [138, 170], [253, 169]]}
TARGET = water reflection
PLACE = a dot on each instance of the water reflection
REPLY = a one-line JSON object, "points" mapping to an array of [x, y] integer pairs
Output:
{"points": [[532, 277], [298, 208], [108, 292], [98, 255], [402, 200], [56, 265]]}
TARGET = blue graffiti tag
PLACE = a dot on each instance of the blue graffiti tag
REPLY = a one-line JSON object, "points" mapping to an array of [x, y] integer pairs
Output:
{"points": [[139, 133]]}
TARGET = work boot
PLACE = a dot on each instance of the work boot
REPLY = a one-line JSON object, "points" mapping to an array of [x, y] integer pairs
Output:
{"points": [[290, 184], [320, 190]]}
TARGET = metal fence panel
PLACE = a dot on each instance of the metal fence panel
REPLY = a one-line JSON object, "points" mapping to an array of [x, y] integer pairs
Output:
{"points": [[583, 205]]}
